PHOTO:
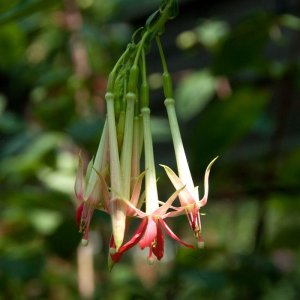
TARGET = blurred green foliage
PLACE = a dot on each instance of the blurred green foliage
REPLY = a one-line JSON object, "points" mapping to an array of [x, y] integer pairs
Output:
{"points": [[242, 104]]}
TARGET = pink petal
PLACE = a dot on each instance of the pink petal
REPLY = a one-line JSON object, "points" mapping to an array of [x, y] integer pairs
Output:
{"points": [[112, 244], [196, 214], [79, 181], [136, 193], [141, 200], [175, 213], [105, 193], [173, 235], [185, 196], [203, 201], [87, 214], [132, 242], [94, 196], [158, 247], [139, 213], [136, 236], [163, 209], [149, 235], [115, 256], [79, 214], [87, 229]]}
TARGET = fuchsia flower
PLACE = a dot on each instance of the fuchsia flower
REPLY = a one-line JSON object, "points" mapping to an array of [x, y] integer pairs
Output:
{"points": [[87, 204], [88, 188], [191, 204], [121, 170], [149, 234], [113, 181], [189, 197], [150, 231]]}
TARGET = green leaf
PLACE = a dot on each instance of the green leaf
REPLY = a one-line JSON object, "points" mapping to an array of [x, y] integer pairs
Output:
{"points": [[290, 21], [225, 122], [31, 158], [45, 221], [7, 5], [193, 93], [13, 45], [25, 8], [243, 48], [24, 267], [211, 32]]}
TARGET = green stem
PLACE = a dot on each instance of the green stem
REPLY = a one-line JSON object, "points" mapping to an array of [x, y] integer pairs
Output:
{"points": [[113, 73], [140, 48], [181, 160], [161, 53], [165, 15], [167, 81]]}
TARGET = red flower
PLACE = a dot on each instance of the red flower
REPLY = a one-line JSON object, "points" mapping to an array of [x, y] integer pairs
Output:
{"points": [[87, 204], [150, 232], [189, 200]]}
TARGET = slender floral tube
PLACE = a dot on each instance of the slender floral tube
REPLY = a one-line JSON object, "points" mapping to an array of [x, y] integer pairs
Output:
{"points": [[150, 178], [181, 160], [90, 195], [117, 207]]}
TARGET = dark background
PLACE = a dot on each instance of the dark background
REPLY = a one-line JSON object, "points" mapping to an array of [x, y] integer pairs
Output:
{"points": [[236, 72]]}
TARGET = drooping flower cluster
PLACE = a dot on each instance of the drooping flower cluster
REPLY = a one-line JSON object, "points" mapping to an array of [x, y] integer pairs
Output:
{"points": [[114, 179]]}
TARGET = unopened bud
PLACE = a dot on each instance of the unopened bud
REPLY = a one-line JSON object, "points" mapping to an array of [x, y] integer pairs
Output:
{"points": [[84, 242], [133, 78], [201, 244], [150, 260]]}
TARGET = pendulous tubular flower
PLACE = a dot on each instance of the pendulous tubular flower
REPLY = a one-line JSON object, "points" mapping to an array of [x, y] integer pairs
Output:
{"points": [[191, 204], [189, 197], [117, 208], [150, 232], [88, 189], [113, 182]]}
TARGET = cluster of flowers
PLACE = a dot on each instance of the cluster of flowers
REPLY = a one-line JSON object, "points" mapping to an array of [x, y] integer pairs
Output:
{"points": [[113, 180]]}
